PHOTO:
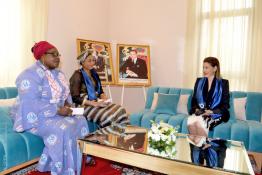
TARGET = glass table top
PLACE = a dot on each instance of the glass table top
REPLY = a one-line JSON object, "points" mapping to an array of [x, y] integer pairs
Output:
{"points": [[226, 155]]}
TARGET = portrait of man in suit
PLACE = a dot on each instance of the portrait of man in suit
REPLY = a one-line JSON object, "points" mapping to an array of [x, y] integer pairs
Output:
{"points": [[134, 67]]}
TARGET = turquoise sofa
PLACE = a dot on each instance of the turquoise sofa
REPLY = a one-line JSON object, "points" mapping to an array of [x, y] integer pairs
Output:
{"points": [[249, 131], [15, 148]]}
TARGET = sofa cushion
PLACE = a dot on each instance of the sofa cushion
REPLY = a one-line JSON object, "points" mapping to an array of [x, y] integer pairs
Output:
{"points": [[162, 117], [255, 133], [2, 93], [177, 120], [150, 96], [8, 92], [154, 102], [15, 149], [6, 124], [254, 106], [184, 128], [147, 118], [2, 157], [240, 108], [233, 95], [240, 132], [164, 90], [223, 130], [34, 144], [174, 91], [18, 148], [166, 104], [11, 92], [182, 106], [135, 118]]}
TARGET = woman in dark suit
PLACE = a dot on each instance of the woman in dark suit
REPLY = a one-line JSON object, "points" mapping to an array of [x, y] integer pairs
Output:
{"points": [[210, 101]]}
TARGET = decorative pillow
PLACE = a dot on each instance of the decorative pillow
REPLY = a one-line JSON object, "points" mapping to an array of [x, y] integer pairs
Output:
{"points": [[182, 104], [240, 108], [166, 104], [154, 102], [7, 102]]}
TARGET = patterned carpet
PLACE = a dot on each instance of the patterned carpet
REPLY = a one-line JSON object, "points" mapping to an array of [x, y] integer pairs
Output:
{"points": [[102, 167]]}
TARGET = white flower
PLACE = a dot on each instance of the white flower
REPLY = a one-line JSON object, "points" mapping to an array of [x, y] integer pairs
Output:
{"points": [[155, 137], [163, 154], [153, 151], [173, 149], [154, 129], [149, 133], [162, 139], [164, 129]]}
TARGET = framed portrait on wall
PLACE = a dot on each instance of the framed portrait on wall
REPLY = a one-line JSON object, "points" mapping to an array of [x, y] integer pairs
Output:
{"points": [[133, 65], [103, 63]]}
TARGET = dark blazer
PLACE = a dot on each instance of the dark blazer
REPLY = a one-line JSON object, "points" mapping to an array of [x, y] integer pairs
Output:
{"points": [[139, 68], [78, 87], [222, 108]]}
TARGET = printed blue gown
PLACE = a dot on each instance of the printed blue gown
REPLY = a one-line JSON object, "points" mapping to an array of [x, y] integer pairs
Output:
{"points": [[40, 93]]}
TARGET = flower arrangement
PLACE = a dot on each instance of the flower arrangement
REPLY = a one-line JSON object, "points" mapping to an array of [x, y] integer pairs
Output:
{"points": [[162, 140]]}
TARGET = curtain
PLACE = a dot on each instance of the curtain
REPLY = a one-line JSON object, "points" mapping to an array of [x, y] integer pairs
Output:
{"points": [[231, 31], [23, 22]]}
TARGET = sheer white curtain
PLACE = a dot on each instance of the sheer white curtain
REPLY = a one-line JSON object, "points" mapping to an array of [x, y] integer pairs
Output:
{"points": [[230, 30], [23, 22]]}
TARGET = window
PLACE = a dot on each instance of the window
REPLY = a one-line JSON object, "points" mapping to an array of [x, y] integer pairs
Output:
{"points": [[22, 23], [225, 33], [10, 40]]}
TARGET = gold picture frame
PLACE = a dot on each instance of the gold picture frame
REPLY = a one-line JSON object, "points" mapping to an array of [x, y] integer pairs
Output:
{"points": [[104, 63], [133, 65]]}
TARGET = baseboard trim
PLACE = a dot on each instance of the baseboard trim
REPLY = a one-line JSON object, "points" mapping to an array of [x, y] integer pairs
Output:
{"points": [[20, 166]]}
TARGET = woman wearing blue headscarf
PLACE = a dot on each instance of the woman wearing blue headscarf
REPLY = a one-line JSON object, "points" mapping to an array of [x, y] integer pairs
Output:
{"points": [[210, 101], [87, 91]]}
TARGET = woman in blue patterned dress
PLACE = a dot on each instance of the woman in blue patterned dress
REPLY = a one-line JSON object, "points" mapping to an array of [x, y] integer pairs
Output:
{"points": [[43, 108]]}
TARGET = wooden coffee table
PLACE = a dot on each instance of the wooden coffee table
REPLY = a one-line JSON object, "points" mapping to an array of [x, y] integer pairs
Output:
{"points": [[129, 146]]}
